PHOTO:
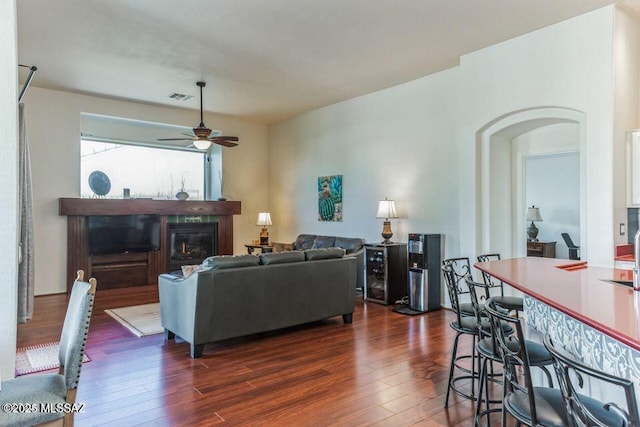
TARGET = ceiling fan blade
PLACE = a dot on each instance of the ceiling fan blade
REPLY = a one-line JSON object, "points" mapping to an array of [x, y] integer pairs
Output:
{"points": [[228, 138], [174, 139], [223, 142]]}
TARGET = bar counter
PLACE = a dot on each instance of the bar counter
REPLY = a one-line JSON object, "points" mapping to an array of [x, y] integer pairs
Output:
{"points": [[583, 293]]}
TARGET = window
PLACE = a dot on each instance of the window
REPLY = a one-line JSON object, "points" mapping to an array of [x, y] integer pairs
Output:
{"points": [[147, 171], [129, 154]]}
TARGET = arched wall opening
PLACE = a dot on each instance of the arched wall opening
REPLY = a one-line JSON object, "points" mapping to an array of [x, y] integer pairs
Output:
{"points": [[504, 146]]}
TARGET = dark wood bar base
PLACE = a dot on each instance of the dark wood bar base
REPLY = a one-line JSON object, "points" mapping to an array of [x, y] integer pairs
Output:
{"points": [[134, 269]]}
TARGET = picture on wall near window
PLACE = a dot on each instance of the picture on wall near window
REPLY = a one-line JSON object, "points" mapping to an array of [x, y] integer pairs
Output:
{"points": [[330, 198]]}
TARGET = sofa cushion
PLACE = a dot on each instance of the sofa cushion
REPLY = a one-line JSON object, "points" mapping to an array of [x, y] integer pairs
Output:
{"points": [[281, 257], [323, 253], [230, 261], [304, 241], [349, 244], [323, 242]]}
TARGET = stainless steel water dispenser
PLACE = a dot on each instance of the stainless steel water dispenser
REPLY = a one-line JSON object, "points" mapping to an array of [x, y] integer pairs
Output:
{"points": [[425, 257]]}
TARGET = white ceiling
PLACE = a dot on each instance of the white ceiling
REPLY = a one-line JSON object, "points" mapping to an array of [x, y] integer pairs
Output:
{"points": [[264, 59]]}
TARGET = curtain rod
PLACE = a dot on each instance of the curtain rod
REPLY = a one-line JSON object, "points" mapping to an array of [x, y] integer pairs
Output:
{"points": [[32, 71]]}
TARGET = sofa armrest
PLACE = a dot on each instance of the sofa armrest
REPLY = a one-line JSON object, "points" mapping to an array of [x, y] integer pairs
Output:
{"points": [[359, 255], [178, 297]]}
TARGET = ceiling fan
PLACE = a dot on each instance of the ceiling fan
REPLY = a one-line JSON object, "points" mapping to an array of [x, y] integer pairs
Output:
{"points": [[201, 139]]}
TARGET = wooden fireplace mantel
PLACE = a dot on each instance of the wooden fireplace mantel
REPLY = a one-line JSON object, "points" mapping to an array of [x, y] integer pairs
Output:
{"points": [[86, 207], [135, 268]]}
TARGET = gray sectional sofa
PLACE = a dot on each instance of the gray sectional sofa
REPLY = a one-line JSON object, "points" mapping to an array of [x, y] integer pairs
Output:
{"points": [[233, 296], [353, 247]]}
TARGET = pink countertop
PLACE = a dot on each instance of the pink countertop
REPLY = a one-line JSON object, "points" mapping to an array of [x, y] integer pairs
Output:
{"points": [[580, 292], [624, 253]]}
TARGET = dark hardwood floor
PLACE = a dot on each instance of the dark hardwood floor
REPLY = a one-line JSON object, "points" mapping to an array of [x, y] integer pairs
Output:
{"points": [[384, 369]]}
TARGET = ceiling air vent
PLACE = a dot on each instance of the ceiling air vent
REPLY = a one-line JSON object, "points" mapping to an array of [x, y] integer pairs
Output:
{"points": [[180, 97]]}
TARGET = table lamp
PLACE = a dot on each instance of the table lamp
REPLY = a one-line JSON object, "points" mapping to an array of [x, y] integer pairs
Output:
{"points": [[533, 214], [264, 219], [386, 210]]}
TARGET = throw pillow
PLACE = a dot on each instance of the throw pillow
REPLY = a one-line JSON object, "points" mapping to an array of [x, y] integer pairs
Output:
{"points": [[188, 270], [281, 247]]}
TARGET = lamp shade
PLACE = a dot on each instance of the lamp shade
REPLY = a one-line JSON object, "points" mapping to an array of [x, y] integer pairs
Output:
{"points": [[533, 214], [202, 144], [387, 209], [264, 218]]}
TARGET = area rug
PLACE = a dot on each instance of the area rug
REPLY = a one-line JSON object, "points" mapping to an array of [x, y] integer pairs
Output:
{"points": [[39, 358], [142, 320]]}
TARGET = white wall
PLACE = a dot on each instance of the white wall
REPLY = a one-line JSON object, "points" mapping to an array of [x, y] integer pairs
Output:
{"points": [[553, 185], [501, 197], [626, 107], [566, 65], [401, 142], [54, 133], [398, 143], [9, 187]]}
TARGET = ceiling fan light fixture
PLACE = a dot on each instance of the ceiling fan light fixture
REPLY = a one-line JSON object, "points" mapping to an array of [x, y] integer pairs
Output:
{"points": [[202, 144], [202, 138]]}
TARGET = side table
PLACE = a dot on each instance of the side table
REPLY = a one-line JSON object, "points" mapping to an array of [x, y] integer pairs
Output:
{"points": [[541, 249], [263, 248]]}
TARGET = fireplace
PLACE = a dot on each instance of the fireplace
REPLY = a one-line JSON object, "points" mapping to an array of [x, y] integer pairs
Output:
{"points": [[190, 243], [141, 268]]}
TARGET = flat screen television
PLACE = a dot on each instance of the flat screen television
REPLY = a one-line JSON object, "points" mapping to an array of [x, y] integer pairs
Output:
{"points": [[118, 234]]}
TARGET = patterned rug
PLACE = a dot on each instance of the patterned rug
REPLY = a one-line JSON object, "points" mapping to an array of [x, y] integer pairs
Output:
{"points": [[38, 358], [142, 320]]}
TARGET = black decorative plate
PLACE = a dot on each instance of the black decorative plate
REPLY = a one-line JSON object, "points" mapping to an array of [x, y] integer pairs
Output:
{"points": [[99, 183]]}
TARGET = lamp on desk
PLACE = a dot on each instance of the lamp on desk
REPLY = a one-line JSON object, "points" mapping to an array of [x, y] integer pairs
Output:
{"points": [[386, 210], [533, 214], [264, 219]]}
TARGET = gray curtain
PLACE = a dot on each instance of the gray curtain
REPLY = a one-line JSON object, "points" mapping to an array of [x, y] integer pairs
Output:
{"points": [[26, 284]]}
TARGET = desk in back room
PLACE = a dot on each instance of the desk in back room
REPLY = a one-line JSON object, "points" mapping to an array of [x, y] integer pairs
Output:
{"points": [[541, 249]]}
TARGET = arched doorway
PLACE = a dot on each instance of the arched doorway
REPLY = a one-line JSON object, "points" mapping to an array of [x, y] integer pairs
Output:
{"points": [[503, 146]]}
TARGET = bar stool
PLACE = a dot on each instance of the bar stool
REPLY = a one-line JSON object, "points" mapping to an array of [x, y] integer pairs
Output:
{"points": [[510, 303], [488, 352], [463, 325], [583, 410], [533, 406], [461, 268]]}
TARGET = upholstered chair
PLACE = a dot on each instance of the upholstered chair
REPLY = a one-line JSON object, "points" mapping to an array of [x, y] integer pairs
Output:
{"points": [[55, 390]]}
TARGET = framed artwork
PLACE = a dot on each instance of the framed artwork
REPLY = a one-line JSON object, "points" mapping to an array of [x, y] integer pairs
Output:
{"points": [[330, 198]]}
